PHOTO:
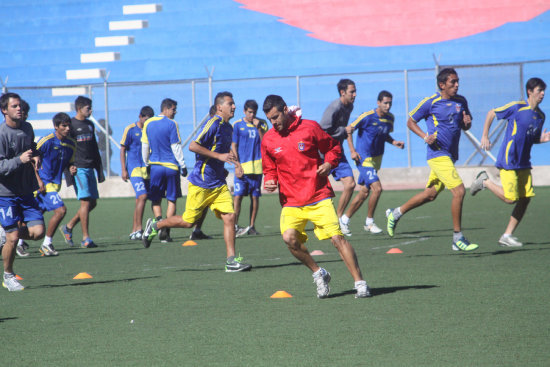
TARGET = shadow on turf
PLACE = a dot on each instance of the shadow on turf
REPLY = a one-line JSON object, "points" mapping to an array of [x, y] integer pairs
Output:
{"points": [[385, 290], [8, 319], [94, 282]]}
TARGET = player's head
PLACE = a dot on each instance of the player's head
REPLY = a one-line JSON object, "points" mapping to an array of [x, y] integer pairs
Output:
{"points": [[447, 81], [276, 111], [62, 124], [225, 105], [535, 87], [384, 101], [347, 91], [169, 108], [250, 109], [25, 108], [10, 104], [83, 106], [146, 113]]}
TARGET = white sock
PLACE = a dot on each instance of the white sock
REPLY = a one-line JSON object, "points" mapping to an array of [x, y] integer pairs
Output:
{"points": [[397, 213], [47, 240], [345, 219], [20, 243], [369, 221]]}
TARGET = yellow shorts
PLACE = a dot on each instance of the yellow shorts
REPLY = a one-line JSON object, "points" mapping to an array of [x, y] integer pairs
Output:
{"points": [[374, 162], [198, 199], [322, 215], [517, 183], [443, 174]]}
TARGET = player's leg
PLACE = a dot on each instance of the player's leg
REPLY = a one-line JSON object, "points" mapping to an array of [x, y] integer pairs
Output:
{"points": [[255, 193], [357, 201], [456, 206], [347, 193], [518, 189]]}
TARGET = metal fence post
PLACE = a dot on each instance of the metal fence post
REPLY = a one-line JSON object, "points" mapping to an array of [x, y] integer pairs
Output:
{"points": [[107, 143], [194, 99], [409, 158], [298, 90]]}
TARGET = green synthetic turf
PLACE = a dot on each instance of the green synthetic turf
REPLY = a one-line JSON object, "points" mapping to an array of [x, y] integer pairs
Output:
{"points": [[174, 306]]}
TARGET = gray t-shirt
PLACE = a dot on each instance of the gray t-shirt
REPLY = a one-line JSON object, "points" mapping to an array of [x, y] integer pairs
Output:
{"points": [[335, 119], [16, 178]]}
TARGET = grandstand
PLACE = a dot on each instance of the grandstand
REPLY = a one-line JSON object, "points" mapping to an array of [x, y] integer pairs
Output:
{"points": [[126, 54]]}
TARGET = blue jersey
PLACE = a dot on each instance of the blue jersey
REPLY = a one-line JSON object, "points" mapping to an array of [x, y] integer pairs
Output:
{"points": [[248, 141], [131, 139], [214, 134], [443, 118], [56, 156], [373, 132], [160, 133], [523, 129]]}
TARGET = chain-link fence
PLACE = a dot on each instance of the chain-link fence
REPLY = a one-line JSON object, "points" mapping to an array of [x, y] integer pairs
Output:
{"points": [[484, 86]]}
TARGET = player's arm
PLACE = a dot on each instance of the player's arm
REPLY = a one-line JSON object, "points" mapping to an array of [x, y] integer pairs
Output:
{"points": [[396, 143], [413, 126], [41, 187], [544, 137], [124, 171], [238, 168], [261, 126], [354, 155], [485, 141], [269, 168], [331, 149], [199, 149]]}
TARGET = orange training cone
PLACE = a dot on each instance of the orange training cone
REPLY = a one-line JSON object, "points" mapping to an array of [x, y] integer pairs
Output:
{"points": [[189, 243], [317, 253], [83, 276], [394, 250], [281, 294]]}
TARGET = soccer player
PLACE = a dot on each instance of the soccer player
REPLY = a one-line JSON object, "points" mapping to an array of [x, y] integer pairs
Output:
{"points": [[17, 183], [207, 186], [134, 169], [247, 138], [58, 152], [374, 128], [87, 159], [446, 114], [292, 162], [162, 151], [334, 122], [524, 128], [22, 246]]}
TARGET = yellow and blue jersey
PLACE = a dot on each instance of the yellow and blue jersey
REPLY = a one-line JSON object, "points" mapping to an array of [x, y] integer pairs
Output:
{"points": [[373, 132], [56, 156], [214, 134], [160, 133], [523, 129], [131, 139], [444, 117], [248, 141]]}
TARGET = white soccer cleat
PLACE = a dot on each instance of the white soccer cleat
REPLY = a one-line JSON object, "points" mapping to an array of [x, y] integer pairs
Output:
{"points": [[344, 228], [507, 240], [363, 290], [373, 228], [321, 278]]}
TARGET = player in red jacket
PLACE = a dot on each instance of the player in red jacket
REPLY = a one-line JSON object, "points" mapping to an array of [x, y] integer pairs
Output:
{"points": [[292, 162]]}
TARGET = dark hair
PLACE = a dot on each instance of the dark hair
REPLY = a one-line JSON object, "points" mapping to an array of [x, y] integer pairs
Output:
{"points": [[221, 96], [146, 111], [252, 104], [444, 75], [343, 84], [533, 83], [167, 103], [5, 98], [25, 106], [384, 93], [81, 102], [274, 101], [212, 111], [61, 118]]}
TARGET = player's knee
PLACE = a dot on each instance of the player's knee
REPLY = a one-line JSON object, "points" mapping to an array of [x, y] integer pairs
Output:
{"points": [[60, 212], [339, 242], [36, 232], [350, 185]]}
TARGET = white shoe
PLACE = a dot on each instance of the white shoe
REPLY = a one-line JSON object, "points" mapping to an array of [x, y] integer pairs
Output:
{"points": [[344, 228], [48, 250], [10, 282], [363, 290], [477, 185], [373, 228], [507, 240], [240, 231], [321, 278]]}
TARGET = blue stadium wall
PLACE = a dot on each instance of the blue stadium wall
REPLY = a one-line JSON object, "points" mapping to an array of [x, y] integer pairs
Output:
{"points": [[43, 39]]}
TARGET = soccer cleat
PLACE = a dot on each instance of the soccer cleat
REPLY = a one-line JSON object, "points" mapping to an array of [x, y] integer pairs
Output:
{"points": [[241, 231], [21, 250], [136, 236], [464, 245], [11, 283], [166, 238], [363, 290], [197, 234], [321, 278], [507, 240], [477, 185], [391, 222], [373, 228], [252, 231], [48, 250], [88, 243], [149, 233], [344, 228], [236, 265], [67, 235]]}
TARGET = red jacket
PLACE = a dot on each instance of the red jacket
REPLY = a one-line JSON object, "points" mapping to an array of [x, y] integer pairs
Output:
{"points": [[291, 159]]}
